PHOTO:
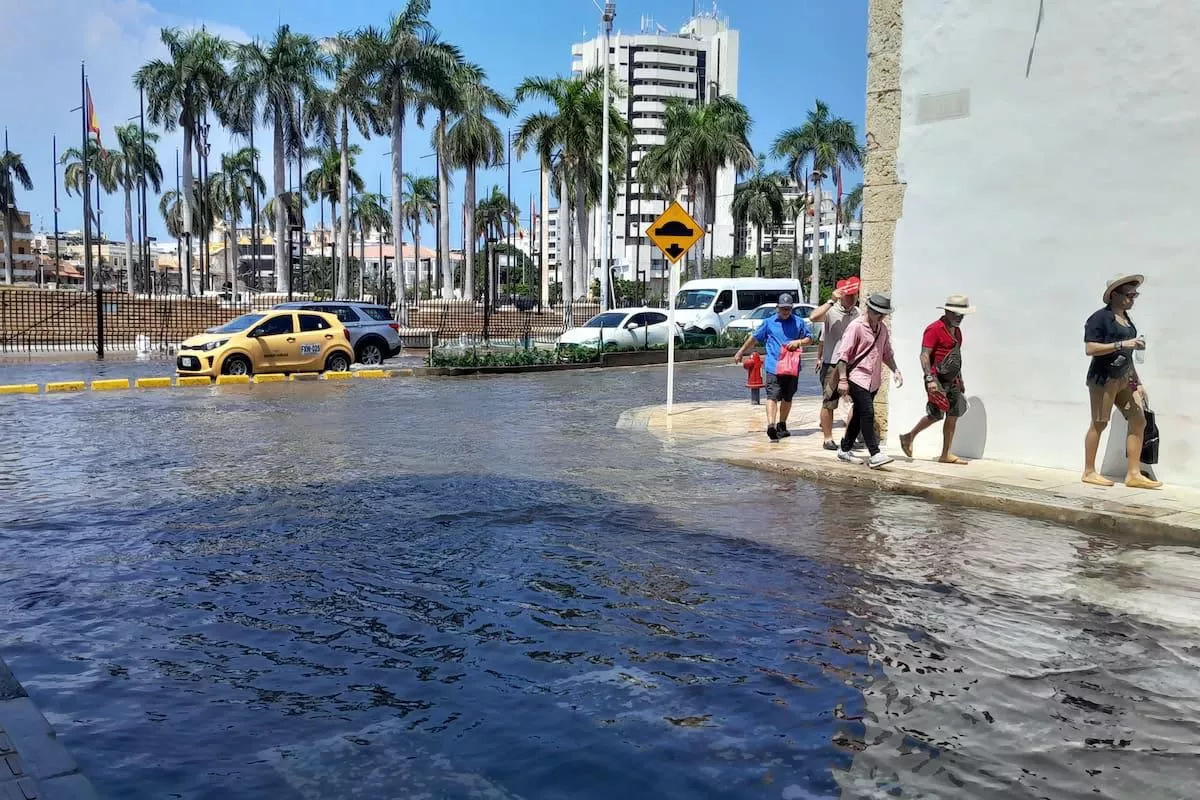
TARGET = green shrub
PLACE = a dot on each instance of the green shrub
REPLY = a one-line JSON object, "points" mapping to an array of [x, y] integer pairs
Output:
{"points": [[467, 359]]}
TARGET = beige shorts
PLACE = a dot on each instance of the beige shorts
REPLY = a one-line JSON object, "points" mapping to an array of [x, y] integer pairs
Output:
{"points": [[1114, 394]]}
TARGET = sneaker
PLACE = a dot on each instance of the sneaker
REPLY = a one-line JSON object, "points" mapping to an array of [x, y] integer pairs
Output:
{"points": [[772, 434], [845, 455], [830, 445], [782, 430], [879, 460]]}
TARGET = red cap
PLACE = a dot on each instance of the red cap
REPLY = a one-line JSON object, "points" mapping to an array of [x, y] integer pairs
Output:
{"points": [[849, 285]]}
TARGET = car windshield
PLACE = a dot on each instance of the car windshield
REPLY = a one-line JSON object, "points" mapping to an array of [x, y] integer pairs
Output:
{"points": [[763, 313], [610, 320], [694, 299], [240, 324]]}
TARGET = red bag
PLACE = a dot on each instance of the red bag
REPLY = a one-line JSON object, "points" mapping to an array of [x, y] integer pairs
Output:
{"points": [[789, 362]]}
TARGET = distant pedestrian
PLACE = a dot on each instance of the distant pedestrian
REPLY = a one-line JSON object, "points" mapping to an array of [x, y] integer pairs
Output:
{"points": [[754, 378], [865, 347], [837, 313], [1111, 339], [941, 362], [783, 330]]}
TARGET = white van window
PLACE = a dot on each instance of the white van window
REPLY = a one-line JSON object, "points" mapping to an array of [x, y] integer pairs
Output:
{"points": [[694, 299], [724, 302], [753, 298]]}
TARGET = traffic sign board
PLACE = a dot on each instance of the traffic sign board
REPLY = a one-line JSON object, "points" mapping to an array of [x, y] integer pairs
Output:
{"points": [[674, 232]]}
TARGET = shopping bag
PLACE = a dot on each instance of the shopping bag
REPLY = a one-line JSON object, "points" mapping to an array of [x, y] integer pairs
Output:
{"points": [[789, 362]]}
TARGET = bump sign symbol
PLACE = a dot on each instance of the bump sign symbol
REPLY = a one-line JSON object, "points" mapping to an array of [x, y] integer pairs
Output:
{"points": [[674, 232]]}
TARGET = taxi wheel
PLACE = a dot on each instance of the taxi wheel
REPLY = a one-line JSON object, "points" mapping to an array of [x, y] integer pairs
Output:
{"points": [[337, 362], [236, 365]]}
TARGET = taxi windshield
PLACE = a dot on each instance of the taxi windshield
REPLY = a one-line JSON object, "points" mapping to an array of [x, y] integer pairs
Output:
{"points": [[240, 324]]}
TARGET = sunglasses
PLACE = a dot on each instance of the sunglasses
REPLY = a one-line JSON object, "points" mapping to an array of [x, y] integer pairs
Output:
{"points": [[1130, 295]]}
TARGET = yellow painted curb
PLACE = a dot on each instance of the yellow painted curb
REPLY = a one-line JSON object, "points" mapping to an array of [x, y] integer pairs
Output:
{"points": [[400, 373], [65, 386], [153, 383], [273, 377], [372, 373], [110, 385], [306, 376], [192, 380], [233, 380], [20, 388], [338, 376]]}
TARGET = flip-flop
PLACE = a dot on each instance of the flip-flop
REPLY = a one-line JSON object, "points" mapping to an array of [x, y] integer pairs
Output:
{"points": [[954, 460], [906, 441]]}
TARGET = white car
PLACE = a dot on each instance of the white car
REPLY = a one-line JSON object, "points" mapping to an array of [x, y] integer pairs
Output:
{"points": [[622, 329], [747, 325]]}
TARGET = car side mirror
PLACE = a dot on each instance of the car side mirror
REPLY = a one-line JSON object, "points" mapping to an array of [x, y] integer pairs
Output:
{"points": [[631, 326]]}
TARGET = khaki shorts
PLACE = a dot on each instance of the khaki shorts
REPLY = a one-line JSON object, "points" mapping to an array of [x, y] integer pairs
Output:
{"points": [[1118, 394]]}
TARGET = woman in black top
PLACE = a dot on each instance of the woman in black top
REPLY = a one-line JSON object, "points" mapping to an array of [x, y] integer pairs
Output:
{"points": [[1110, 338]]}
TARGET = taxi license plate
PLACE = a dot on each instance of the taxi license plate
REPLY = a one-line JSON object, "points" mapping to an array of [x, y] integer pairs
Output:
{"points": [[188, 362]]}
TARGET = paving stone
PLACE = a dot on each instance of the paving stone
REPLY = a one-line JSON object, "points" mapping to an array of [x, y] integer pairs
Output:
{"points": [[41, 752]]}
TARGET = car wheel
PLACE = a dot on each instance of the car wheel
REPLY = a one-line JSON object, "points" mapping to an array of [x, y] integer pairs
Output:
{"points": [[708, 332], [337, 362], [236, 365], [371, 354]]}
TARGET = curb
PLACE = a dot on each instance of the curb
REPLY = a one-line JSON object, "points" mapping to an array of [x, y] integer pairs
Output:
{"points": [[186, 381]]}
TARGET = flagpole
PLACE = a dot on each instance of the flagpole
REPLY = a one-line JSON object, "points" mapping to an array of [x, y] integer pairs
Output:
{"points": [[87, 189], [146, 269], [57, 262]]}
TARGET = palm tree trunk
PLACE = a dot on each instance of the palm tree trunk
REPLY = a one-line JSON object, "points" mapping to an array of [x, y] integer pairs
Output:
{"points": [[283, 278], [188, 188], [333, 254], [129, 287], [443, 227], [397, 222], [343, 273], [362, 258], [8, 246], [417, 251], [814, 293], [566, 264], [584, 265], [701, 217], [471, 237], [797, 242], [758, 273]]}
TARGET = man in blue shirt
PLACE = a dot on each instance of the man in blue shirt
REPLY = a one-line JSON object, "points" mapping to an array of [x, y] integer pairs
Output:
{"points": [[784, 330]]}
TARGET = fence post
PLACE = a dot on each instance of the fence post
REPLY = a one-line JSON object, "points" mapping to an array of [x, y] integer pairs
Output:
{"points": [[99, 320]]}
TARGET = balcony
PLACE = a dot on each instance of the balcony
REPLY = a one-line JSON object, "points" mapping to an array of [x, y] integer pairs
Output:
{"points": [[653, 74], [648, 107], [649, 90], [676, 59]]}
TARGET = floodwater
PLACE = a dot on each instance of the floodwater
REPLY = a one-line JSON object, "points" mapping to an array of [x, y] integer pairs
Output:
{"points": [[480, 588]]}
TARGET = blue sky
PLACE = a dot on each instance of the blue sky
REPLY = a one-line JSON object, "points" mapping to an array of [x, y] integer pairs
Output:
{"points": [[792, 52]]}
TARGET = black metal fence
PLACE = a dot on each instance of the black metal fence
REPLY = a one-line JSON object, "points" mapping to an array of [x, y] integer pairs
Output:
{"points": [[102, 321]]}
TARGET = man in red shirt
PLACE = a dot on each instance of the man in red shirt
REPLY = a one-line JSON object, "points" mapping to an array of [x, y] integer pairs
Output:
{"points": [[941, 361]]}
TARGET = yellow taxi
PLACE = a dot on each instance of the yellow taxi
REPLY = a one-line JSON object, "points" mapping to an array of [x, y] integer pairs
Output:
{"points": [[268, 341]]}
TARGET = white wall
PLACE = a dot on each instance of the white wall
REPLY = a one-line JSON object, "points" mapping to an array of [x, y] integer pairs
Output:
{"points": [[1052, 183]]}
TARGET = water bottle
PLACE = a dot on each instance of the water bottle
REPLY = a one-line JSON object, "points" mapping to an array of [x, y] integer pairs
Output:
{"points": [[1139, 356]]}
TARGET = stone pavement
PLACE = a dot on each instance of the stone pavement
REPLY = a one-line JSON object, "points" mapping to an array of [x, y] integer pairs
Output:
{"points": [[734, 432], [33, 764]]}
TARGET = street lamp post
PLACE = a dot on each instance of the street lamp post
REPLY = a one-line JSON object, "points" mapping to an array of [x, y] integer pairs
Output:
{"points": [[610, 13]]}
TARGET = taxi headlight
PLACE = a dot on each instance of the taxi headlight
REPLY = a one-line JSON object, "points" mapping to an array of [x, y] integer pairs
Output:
{"points": [[215, 345]]}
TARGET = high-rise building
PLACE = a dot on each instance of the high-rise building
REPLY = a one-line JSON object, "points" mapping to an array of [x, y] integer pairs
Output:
{"points": [[697, 64]]}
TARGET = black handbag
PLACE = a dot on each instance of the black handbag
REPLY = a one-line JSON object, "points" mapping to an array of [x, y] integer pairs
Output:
{"points": [[1150, 439]]}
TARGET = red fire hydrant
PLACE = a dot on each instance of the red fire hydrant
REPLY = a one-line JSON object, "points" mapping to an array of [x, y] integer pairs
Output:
{"points": [[754, 379]]}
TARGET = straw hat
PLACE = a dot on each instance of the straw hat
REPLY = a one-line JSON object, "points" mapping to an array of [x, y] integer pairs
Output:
{"points": [[958, 304], [1123, 280]]}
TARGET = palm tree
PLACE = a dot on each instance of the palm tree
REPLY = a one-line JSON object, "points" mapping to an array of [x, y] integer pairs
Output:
{"points": [[471, 142], [12, 174], [324, 182], [370, 211], [406, 60], [759, 202], [353, 97], [797, 209], [99, 174], [418, 209], [179, 93], [129, 164], [852, 205], [827, 143], [573, 129], [234, 188], [494, 214], [275, 77], [700, 141]]}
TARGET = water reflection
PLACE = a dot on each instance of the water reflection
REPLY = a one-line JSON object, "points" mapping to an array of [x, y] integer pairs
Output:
{"points": [[481, 589]]}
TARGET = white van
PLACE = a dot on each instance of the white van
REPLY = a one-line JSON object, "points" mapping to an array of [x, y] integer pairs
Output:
{"points": [[708, 305]]}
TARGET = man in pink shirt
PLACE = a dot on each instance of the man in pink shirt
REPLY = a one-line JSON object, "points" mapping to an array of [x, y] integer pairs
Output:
{"points": [[865, 347]]}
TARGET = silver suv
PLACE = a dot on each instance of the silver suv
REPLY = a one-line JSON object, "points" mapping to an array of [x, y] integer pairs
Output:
{"points": [[374, 334]]}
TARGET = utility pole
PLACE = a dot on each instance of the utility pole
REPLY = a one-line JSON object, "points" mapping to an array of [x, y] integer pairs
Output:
{"points": [[57, 261], [508, 210], [610, 13]]}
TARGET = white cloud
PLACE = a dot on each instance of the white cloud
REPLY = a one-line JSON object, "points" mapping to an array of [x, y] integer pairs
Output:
{"points": [[44, 44]]}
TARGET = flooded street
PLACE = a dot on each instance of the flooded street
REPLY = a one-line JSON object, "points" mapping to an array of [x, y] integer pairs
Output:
{"points": [[482, 588]]}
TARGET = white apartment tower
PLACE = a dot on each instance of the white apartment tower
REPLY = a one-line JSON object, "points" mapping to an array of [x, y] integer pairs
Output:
{"points": [[697, 64]]}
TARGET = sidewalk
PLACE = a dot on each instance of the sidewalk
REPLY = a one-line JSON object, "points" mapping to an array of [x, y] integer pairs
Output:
{"points": [[734, 432], [33, 764]]}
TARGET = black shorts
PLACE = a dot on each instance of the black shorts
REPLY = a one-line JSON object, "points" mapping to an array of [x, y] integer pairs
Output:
{"points": [[781, 388]]}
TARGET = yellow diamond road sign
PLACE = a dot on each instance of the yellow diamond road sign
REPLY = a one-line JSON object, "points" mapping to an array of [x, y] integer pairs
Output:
{"points": [[674, 232]]}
